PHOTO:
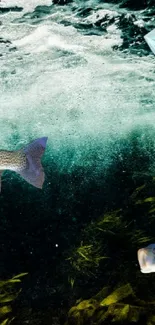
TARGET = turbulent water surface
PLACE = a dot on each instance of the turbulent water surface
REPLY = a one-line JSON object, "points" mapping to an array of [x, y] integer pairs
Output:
{"points": [[81, 74]]}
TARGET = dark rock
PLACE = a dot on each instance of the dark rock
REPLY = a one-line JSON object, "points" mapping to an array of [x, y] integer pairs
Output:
{"points": [[138, 4], [7, 9], [43, 9], [84, 12], [62, 2], [132, 34], [4, 41], [13, 49], [13, 71], [105, 21], [132, 4], [39, 13], [135, 5]]}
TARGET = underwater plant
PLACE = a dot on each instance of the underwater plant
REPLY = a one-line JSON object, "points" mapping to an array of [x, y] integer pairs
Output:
{"points": [[8, 293], [120, 307], [105, 244], [106, 257], [86, 257]]}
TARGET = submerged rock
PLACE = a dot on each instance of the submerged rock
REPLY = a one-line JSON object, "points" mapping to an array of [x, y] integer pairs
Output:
{"points": [[4, 10], [62, 2], [113, 309], [132, 4]]}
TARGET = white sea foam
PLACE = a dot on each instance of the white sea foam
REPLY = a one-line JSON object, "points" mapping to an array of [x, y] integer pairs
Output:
{"points": [[27, 5], [75, 90]]}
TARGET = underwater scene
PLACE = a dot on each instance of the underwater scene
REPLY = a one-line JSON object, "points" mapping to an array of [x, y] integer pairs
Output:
{"points": [[77, 162]]}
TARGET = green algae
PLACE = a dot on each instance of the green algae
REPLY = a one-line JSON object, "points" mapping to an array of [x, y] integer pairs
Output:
{"points": [[117, 295], [106, 260], [113, 309], [8, 293]]}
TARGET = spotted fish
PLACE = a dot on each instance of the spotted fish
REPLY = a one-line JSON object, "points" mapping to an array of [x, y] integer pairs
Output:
{"points": [[26, 162]]}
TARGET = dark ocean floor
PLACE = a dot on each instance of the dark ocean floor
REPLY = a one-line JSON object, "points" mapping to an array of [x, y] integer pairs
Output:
{"points": [[45, 232]]}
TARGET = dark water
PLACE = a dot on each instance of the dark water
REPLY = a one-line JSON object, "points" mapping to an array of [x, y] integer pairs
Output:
{"points": [[81, 74]]}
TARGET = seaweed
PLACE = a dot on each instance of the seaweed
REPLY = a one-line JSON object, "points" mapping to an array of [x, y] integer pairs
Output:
{"points": [[8, 293], [106, 260], [105, 244], [121, 306]]}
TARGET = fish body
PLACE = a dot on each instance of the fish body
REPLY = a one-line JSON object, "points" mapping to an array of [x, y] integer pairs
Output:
{"points": [[150, 39], [26, 162], [12, 160], [146, 259]]}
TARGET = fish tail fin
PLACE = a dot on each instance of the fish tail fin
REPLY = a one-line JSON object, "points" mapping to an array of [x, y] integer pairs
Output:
{"points": [[34, 173]]}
